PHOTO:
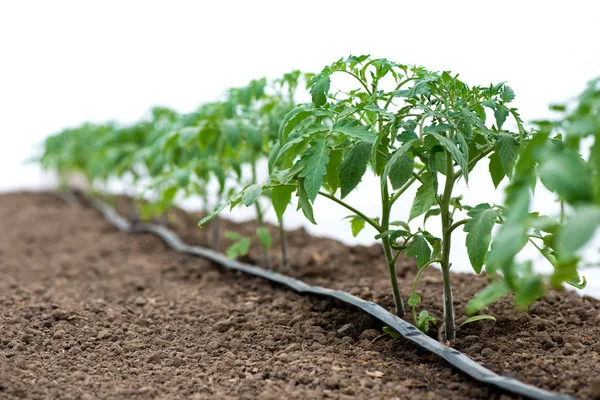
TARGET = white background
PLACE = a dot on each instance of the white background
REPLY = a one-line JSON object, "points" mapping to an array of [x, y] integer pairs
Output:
{"points": [[66, 62]]}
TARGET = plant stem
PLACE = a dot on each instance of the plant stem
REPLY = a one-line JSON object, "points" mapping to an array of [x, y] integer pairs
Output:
{"points": [[403, 189], [259, 217], [414, 286], [363, 83], [474, 161], [387, 248], [457, 224], [284, 246], [542, 252], [449, 331], [368, 220]]}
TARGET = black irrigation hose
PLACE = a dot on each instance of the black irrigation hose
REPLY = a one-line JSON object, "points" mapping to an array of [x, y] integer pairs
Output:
{"points": [[408, 331]]}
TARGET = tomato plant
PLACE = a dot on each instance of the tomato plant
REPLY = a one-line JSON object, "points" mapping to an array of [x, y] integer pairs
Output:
{"points": [[411, 126], [553, 158]]}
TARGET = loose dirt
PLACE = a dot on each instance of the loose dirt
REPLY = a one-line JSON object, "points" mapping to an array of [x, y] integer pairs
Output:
{"points": [[87, 312]]}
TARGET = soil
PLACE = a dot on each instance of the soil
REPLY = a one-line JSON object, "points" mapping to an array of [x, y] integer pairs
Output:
{"points": [[87, 312], [553, 345]]}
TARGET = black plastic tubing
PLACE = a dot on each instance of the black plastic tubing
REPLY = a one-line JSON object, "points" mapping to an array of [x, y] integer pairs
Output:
{"points": [[454, 357]]}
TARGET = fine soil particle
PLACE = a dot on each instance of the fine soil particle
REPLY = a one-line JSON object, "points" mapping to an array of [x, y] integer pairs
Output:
{"points": [[553, 345], [87, 312]]}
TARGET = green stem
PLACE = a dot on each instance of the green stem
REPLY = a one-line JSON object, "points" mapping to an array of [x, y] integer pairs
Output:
{"points": [[414, 285], [387, 248], [457, 224], [368, 220], [284, 246], [403, 189], [474, 161], [364, 85], [423, 268], [541, 250], [450, 330], [259, 218], [402, 83]]}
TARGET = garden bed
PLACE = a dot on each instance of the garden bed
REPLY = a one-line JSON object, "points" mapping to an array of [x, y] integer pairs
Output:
{"points": [[88, 312], [554, 345]]}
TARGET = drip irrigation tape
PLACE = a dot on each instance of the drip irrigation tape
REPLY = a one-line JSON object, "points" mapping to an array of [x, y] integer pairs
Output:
{"points": [[454, 357]]}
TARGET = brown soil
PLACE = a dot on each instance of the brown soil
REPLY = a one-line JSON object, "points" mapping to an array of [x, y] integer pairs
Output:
{"points": [[554, 345], [87, 312]]}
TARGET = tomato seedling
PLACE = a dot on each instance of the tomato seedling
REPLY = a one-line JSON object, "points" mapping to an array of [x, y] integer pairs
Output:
{"points": [[410, 126]]}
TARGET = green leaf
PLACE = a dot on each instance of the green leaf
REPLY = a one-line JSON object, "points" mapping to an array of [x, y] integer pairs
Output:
{"points": [[354, 130], [496, 169], [353, 167], [331, 176], [577, 282], [304, 202], [264, 236], [233, 132], [392, 333], [210, 216], [239, 248], [233, 236], [544, 223], [455, 152], [251, 194], [578, 230], [479, 228], [182, 177], [357, 225], [399, 167], [319, 88], [438, 128], [393, 234], [414, 300], [507, 94], [281, 196], [291, 119], [419, 248], [530, 289], [500, 113], [254, 137], [420, 87], [567, 175], [424, 199], [400, 223], [507, 150], [423, 321], [315, 162], [508, 242], [476, 318], [431, 213], [273, 155], [494, 292], [169, 194]]}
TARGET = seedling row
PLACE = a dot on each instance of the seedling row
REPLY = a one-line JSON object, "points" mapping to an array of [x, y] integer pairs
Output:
{"points": [[406, 125]]}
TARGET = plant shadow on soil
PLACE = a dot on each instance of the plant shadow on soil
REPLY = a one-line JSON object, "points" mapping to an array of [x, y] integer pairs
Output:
{"points": [[88, 312]]}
